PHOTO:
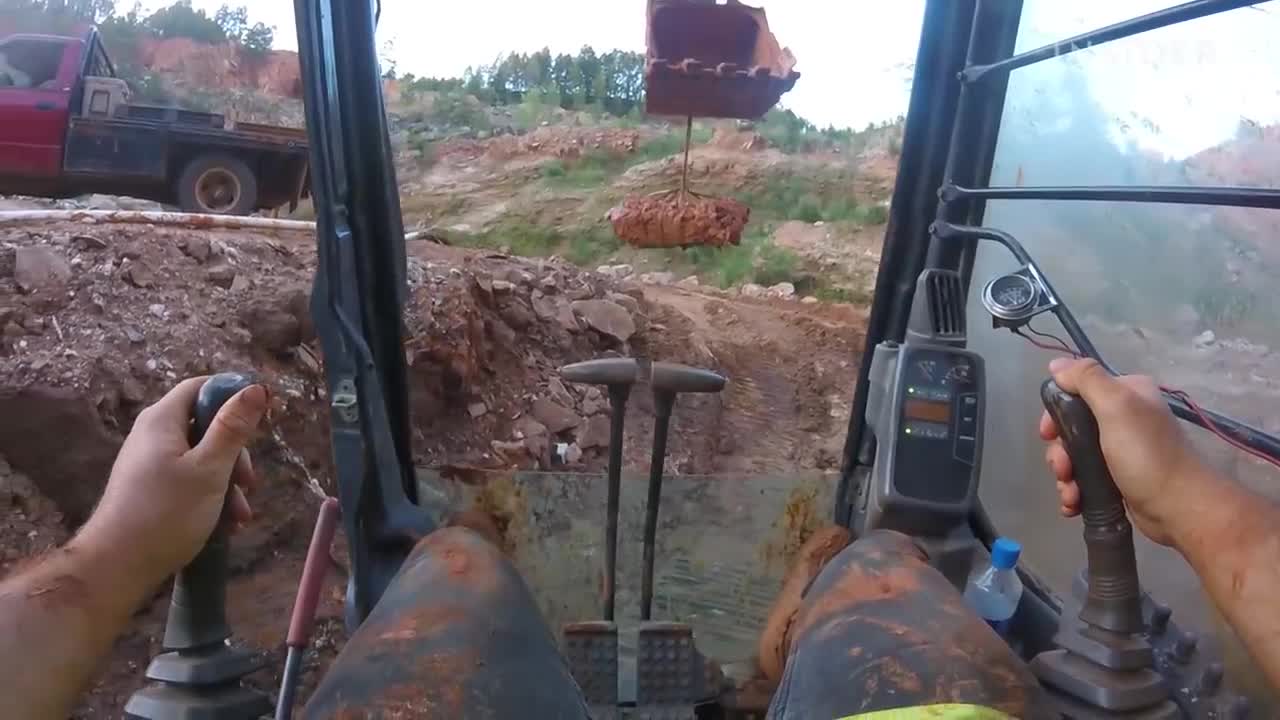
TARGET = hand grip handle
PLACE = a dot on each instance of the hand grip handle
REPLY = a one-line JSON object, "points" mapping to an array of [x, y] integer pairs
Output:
{"points": [[313, 572], [676, 378], [197, 609], [606, 371], [1114, 600]]}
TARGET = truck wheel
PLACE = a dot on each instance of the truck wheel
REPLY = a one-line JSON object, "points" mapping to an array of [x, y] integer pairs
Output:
{"points": [[219, 185]]}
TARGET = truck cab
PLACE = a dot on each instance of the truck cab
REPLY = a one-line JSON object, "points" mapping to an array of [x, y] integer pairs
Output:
{"points": [[67, 128], [39, 74]]}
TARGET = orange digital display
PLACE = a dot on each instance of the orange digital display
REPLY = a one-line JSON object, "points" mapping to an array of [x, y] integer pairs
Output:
{"points": [[927, 411]]}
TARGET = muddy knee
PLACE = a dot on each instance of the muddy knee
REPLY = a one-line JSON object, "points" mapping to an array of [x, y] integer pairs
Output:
{"points": [[880, 628], [457, 634]]}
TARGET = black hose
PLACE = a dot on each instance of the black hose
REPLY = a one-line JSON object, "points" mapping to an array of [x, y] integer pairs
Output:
{"points": [[289, 684]]}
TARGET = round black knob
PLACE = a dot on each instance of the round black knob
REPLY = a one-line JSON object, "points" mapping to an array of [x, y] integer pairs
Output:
{"points": [[1211, 678], [1185, 646], [1160, 615]]}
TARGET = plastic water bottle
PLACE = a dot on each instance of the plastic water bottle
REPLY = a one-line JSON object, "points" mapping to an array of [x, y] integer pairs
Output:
{"points": [[994, 591]]}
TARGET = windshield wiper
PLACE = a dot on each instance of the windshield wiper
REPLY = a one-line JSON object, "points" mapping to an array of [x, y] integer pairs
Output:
{"points": [[359, 293]]}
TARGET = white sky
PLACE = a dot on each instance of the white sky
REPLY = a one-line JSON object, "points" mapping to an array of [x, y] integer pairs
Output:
{"points": [[1195, 80]]}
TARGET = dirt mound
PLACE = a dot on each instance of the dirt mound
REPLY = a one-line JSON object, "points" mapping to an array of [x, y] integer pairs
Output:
{"points": [[226, 66], [731, 138], [550, 142]]}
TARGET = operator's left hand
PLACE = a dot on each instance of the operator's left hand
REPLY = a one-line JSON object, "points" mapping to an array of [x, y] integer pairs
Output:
{"points": [[164, 497]]}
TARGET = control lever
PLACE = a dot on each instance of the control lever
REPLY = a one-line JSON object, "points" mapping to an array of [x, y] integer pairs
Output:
{"points": [[1114, 600], [314, 569], [668, 381], [200, 675], [1103, 666], [618, 375]]}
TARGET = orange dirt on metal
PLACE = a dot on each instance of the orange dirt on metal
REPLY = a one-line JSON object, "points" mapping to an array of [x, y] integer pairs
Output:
{"points": [[668, 220], [710, 60], [814, 555]]}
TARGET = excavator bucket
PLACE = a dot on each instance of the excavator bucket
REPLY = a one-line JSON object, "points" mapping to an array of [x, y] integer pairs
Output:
{"points": [[705, 60], [714, 60]]}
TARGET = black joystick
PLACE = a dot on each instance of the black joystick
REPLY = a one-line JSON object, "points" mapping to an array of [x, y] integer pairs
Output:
{"points": [[1104, 666], [199, 677]]}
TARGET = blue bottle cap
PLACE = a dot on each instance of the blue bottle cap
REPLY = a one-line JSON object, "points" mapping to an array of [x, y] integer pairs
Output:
{"points": [[1005, 552]]}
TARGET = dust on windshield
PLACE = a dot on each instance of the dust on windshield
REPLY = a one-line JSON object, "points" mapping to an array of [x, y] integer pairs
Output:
{"points": [[1185, 293]]}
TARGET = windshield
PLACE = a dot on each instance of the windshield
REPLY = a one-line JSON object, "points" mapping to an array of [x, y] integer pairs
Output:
{"points": [[1184, 293]]}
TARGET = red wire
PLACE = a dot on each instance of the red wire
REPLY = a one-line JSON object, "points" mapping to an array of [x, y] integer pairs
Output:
{"points": [[1182, 395], [1213, 428], [1060, 348]]}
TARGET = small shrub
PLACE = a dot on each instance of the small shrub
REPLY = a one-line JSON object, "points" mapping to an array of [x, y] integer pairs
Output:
{"points": [[734, 265], [872, 215], [528, 240], [842, 208], [425, 149], [808, 211], [591, 170], [775, 265], [663, 146], [835, 294], [588, 248], [553, 169]]}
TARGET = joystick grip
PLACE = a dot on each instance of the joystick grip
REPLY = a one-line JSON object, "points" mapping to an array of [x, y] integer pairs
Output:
{"points": [[1114, 600], [197, 609]]}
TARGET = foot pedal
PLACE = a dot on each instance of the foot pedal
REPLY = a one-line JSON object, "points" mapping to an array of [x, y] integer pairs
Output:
{"points": [[591, 649], [672, 677]]}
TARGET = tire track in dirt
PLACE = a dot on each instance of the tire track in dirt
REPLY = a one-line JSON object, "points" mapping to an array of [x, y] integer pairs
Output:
{"points": [[791, 368]]}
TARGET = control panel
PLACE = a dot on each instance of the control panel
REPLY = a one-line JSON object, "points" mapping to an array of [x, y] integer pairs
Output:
{"points": [[937, 434], [926, 410]]}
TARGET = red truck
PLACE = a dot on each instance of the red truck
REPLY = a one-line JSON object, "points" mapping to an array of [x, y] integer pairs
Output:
{"points": [[67, 128]]}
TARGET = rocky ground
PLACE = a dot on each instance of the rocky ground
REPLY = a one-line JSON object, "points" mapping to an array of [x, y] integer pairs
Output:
{"points": [[96, 322]]}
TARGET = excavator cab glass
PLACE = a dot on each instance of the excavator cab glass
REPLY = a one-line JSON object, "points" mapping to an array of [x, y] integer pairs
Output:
{"points": [[924, 428]]}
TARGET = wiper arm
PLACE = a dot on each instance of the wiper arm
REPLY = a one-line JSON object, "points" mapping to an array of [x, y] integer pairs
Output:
{"points": [[359, 293]]}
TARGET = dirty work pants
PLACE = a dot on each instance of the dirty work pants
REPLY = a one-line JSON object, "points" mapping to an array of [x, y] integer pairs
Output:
{"points": [[458, 635]]}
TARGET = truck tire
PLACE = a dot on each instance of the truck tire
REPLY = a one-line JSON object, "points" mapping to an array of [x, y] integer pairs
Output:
{"points": [[218, 185]]}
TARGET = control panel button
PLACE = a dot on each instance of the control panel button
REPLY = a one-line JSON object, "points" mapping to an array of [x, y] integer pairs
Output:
{"points": [[968, 416], [966, 449]]}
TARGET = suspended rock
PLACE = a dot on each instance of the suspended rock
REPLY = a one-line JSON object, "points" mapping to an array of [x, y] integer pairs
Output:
{"points": [[670, 220]]}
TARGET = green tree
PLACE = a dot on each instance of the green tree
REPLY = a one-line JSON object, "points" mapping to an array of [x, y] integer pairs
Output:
{"points": [[233, 21], [182, 20], [589, 71], [539, 70], [565, 76], [259, 38]]}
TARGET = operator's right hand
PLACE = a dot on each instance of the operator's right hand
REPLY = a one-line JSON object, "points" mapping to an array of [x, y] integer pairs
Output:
{"points": [[1153, 465]]}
